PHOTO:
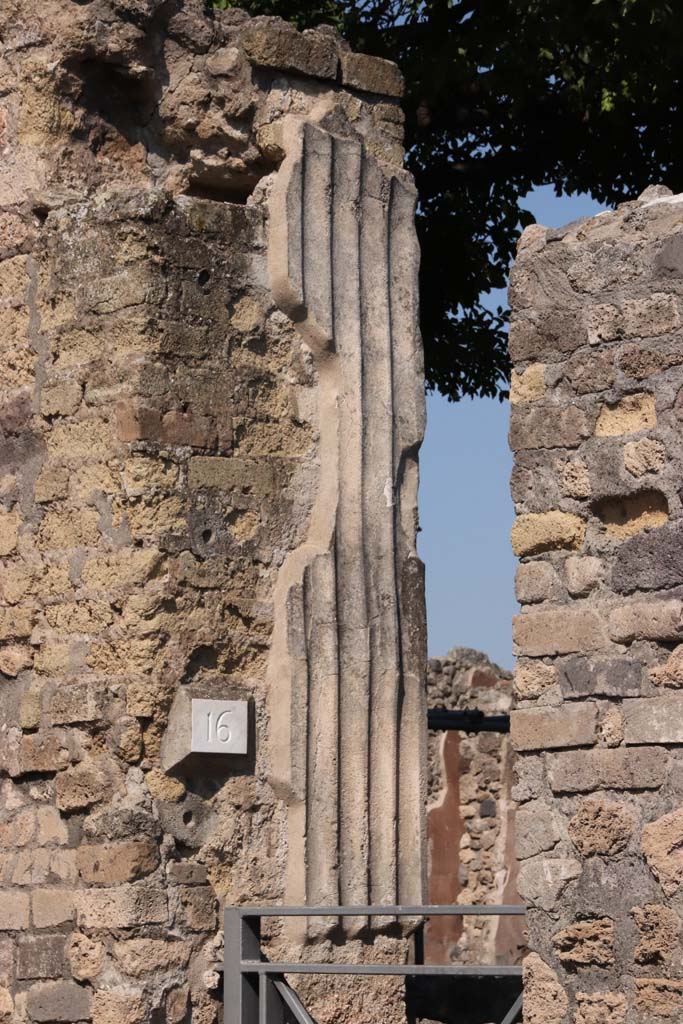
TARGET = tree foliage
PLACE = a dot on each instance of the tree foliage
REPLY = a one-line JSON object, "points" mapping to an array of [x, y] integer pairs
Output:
{"points": [[500, 97]]}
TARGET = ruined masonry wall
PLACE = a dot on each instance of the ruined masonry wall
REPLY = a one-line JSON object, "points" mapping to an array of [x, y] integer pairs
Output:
{"points": [[164, 427], [597, 342], [471, 815]]}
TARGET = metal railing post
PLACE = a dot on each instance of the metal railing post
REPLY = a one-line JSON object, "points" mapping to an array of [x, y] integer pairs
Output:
{"points": [[242, 941]]}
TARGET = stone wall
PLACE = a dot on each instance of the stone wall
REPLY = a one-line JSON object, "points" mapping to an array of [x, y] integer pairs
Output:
{"points": [[471, 815], [596, 429], [205, 493]]}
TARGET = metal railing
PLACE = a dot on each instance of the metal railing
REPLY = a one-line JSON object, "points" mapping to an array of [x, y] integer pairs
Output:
{"points": [[255, 990]]}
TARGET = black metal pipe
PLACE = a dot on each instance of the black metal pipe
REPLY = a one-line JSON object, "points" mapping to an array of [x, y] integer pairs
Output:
{"points": [[443, 720]]}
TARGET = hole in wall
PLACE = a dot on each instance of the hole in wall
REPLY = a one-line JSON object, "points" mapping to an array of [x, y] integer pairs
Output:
{"points": [[187, 817], [207, 535], [627, 514], [203, 278], [232, 190]]}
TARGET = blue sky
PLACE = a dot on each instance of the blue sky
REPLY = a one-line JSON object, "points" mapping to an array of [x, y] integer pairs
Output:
{"points": [[465, 506]]}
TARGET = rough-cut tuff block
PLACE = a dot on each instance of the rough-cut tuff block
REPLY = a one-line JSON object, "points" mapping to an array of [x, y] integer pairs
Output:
{"points": [[657, 720], [588, 770], [550, 729], [558, 631]]}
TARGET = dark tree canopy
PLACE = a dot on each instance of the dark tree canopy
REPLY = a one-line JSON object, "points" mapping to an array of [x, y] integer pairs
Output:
{"points": [[500, 97]]}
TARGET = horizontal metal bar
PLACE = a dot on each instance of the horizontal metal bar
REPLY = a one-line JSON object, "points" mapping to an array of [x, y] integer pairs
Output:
{"points": [[467, 720], [405, 970], [480, 910]]}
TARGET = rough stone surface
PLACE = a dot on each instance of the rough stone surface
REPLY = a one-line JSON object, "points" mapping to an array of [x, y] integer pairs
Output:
{"points": [[586, 944], [546, 531], [600, 1008], [601, 827], [545, 1001], [597, 306], [660, 934], [572, 726], [204, 490], [662, 845]]}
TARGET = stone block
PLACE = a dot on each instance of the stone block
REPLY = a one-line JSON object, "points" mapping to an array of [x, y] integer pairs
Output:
{"points": [[546, 426], [119, 1006], [528, 386], [52, 907], [643, 361], [537, 829], [650, 561], [371, 74], [660, 934], [40, 956], [671, 672], [553, 728], [533, 533], [537, 334], [558, 631], [195, 908], [536, 581], [647, 620], [583, 574], [651, 316], [86, 956], [14, 911], [38, 753], [586, 944], [542, 880], [600, 1008], [644, 456], [584, 771], [601, 827], [534, 679], [106, 863], [252, 476], [653, 720], [279, 45], [662, 846], [659, 998], [545, 1000], [82, 786], [601, 677], [140, 957], [629, 415], [55, 1001], [127, 906], [575, 479], [590, 371], [186, 873]]}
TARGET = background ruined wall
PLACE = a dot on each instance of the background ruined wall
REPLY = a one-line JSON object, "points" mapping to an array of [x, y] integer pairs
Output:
{"points": [[160, 436], [596, 429], [470, 819]]}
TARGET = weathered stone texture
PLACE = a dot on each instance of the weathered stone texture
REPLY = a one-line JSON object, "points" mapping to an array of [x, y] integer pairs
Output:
{"points": [[597, 305], [184, 454]]}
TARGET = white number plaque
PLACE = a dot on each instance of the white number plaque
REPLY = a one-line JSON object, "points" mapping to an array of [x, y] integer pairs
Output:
{"points": [[219, 726]]}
